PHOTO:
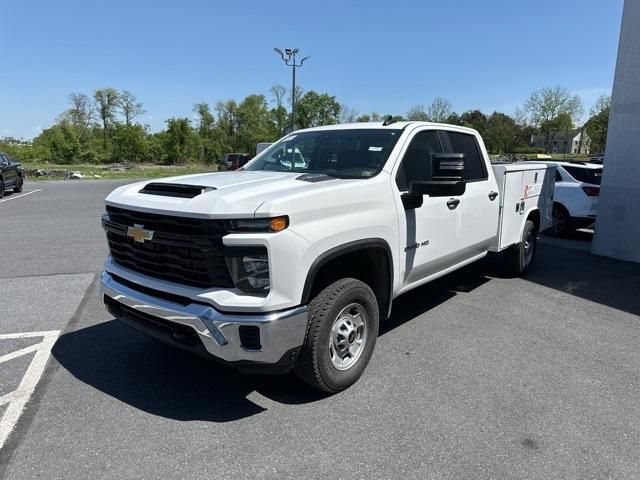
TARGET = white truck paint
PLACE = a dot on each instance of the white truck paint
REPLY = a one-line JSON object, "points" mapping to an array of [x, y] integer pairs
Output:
{"points": [[363, 240]]}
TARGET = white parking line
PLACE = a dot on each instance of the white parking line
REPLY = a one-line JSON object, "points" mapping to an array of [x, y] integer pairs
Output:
{"points": [[13, 197], [17, 400]]}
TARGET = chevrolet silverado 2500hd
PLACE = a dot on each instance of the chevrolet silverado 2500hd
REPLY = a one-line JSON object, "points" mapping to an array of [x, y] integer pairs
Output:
{"points": [[292, 262]]}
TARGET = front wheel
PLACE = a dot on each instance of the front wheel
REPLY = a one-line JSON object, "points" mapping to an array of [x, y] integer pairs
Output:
{"points": [[519, 258], [341, 336], [17, 188]]}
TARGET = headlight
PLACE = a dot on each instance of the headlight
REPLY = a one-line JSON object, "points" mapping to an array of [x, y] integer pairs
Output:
{"points": [[275, 224], [250, 273]]}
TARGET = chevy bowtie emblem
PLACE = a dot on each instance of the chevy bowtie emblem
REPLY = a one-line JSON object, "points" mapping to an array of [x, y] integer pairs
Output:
{"points": [[139, 234]]}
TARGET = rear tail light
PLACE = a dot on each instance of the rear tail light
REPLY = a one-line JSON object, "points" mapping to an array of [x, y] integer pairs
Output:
{"points": [[591, 191]]}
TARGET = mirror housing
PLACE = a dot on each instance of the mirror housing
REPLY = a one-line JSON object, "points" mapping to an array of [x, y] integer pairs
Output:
{"points": [[448, 167], [447, 180], [437, 188]]}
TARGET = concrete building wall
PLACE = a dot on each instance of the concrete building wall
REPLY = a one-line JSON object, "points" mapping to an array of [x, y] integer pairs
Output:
{"points": [[618, 223]]}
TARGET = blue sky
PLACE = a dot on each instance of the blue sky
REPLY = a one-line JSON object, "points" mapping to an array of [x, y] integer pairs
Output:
{"points": [[372, 55]]}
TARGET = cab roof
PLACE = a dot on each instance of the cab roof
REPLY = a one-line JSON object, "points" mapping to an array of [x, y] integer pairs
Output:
{"points": [[391, 126]]}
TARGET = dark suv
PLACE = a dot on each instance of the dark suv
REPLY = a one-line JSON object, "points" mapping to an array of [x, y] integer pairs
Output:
{"points": [[233, 161], [10, 175]]}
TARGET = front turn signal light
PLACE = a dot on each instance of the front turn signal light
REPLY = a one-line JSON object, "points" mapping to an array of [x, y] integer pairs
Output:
{"points": [[277, 224]]}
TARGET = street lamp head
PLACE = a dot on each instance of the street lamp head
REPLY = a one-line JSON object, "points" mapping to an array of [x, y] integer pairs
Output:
{"points": [[277, 50], [305, 58], [288, 51]]}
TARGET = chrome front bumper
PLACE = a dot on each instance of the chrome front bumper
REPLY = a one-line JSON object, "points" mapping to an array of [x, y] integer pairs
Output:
{"points": [[280, 332]]}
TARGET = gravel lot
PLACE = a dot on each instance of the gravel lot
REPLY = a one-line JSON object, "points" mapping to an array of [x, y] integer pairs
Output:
{"points": [[474, 376]]}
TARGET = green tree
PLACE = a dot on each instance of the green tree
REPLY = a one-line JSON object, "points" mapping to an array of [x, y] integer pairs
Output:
{"points": [[279, 113], [107, 104], [209, 150], [561, 123], [315, 109], [62, 142], [501, 133], [227, 121], [129, 143], [549, 108], [474, 119], [81, 111], [598, 124], [130, 107], [254, 123], [180, 141]]}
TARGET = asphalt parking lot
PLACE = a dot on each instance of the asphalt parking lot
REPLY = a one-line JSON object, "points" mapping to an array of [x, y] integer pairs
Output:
{"points": [[474, 376]]}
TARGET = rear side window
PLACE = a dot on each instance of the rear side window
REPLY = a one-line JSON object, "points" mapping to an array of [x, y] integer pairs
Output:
{"points": [[416, 163], [474, 166], [558, 176], [586, 175]]}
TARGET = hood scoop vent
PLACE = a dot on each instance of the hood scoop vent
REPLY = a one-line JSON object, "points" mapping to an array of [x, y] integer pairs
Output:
{"points": [[314, 177], [174, 190]]}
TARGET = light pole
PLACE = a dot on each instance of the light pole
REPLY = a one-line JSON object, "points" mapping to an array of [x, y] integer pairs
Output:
{"points": [[289, 58]]}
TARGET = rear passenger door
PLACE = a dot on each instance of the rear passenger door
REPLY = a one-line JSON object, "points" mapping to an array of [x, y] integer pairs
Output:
{"points": [[479, 204]]}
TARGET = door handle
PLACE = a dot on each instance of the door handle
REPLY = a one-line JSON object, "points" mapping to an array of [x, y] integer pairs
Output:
{"points": [[453, 203], [493, 195]]}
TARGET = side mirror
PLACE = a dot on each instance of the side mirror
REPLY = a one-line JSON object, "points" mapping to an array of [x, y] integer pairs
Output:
{"points": [[447, 180]]}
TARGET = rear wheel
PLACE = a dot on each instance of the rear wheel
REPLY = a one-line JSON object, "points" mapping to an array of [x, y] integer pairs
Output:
{"points": [[519, 258], [18, 186], [341, 336], [561, 220]]}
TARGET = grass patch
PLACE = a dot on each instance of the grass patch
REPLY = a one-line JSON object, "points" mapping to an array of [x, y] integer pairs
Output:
{"points": [[112, 172]]}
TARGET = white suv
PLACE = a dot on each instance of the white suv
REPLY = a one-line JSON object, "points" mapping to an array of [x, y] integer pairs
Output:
{"points": [[577, 189]]}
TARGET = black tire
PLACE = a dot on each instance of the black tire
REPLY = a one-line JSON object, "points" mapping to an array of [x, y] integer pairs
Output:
{"points": [[315, 365], [18, 186], [561, 221], [1, 188], [519, 258]]}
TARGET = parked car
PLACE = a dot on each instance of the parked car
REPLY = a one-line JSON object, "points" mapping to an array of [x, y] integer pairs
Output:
{"points": [[233, 161], [576, 195], [262, 146], [10, 175], [292, 264]]}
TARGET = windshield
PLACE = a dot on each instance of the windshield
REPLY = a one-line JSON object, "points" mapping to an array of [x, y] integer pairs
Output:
{"points": [[357, 153], [586, 175]]}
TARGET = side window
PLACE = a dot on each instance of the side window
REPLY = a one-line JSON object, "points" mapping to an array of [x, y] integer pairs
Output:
{"points": [[416, 163], [474, 166], [558, 176]]}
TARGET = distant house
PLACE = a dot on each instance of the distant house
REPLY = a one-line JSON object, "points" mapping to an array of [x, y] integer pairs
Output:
{"points": [[573, 141]]}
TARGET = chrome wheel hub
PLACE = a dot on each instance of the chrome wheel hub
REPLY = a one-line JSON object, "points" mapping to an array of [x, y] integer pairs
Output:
{"points": [[348, 336]]}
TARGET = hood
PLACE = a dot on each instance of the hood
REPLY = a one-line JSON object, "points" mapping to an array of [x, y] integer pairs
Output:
{"points": [[217, 195]]}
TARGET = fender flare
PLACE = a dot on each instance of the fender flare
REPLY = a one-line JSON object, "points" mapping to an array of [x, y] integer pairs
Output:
{"points": [[343, 249]]}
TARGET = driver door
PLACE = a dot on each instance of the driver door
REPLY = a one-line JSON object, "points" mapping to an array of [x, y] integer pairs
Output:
{"points": [[8, 170], [429, 234]]}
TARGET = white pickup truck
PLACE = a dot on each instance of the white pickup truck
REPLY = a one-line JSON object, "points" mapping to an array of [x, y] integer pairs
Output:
{"points": [[291, 263]]}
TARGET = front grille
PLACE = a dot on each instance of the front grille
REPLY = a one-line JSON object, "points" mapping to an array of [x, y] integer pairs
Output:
{"points": [[183, 250]]}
